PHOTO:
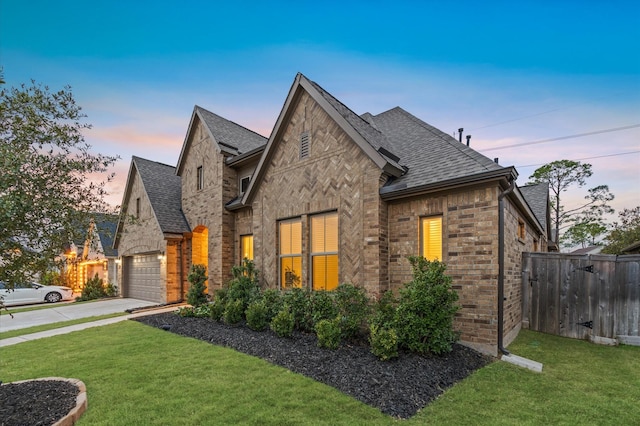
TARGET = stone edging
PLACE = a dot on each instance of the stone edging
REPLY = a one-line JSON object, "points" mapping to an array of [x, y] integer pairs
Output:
{"points": [[81, 400]]}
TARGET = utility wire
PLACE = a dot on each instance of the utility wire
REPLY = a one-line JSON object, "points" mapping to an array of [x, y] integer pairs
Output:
{"points": [[597, 132], [586, 158]]}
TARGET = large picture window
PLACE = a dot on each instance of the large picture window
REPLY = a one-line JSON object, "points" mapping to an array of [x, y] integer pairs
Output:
{"points": [[246, 247], [431, 238], [324, 251], [290, 253]]}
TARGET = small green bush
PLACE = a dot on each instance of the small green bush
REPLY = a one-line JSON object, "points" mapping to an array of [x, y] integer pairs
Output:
{"points": [[244, 285], [323, 307], [257, 315], [425, 312], [283, 323], [384, 343], [329, 333], [272, 299], [218, 305], [197, 277], [299, 301], [353, 308], [202, 311], [384, 311], [233, 312], [186, 311], [96, 289]]}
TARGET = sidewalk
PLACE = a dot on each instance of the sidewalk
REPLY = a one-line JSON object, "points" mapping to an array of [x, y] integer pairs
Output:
{"points": [[73, 311]]}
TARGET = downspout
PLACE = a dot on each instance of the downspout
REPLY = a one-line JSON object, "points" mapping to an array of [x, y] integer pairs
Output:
{"points": [[507, 191]]}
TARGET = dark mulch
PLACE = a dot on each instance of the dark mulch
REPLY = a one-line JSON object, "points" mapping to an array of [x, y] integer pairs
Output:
{"points": [[398, 388], [41, 402]]}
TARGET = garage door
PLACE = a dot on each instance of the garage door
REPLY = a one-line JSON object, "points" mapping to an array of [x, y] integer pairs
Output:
{"points": [[142, 277]]}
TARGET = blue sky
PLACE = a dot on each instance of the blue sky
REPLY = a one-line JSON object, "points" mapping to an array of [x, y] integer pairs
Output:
{"points": [[507, 72]]}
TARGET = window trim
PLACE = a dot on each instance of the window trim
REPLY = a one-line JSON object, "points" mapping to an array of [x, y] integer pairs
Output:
{"points": [[313, 254], [522, 230], [297, 219], [421, 235], [248, 180]]}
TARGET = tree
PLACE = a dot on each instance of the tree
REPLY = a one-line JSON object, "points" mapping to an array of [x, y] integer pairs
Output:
{"points": [[47, 187], [562, 174], [584, 232], [625, 232]]}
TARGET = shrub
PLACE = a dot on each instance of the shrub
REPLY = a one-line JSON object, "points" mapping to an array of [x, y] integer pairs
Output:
{"points": [[218, 304], [233, 312], [425, 312], [283, 323], [384, 342], [95, 288], [384, 311], [244, 285], [329, 333], [202, 311], [272, 299], [323, 307], [186, 311], [299, 302], [257, 315], [197, 277], [353, 308]]}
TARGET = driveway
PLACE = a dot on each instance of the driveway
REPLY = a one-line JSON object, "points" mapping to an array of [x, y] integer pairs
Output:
{"points": [[69, 311]]}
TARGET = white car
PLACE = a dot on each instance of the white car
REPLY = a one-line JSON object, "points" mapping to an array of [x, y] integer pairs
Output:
{"points": [[33, 293]]}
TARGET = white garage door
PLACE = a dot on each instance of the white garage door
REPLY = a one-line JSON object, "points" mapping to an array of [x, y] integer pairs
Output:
{"points": [[142, 277]]}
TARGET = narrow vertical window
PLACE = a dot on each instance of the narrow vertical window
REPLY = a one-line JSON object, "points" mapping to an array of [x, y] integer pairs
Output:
{"points": [[304, 145], [200, 178], [521, 230], [290, 253], [535, 245], [244, 184], [246, 247], [324, 251], [138, 207], [431, 238]]}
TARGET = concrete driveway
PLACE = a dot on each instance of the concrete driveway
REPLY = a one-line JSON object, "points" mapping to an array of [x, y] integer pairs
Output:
{"points": [[69, 311]]}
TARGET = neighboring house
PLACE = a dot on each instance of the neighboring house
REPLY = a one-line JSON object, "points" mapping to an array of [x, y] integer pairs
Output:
{"points": [[94, 255], [588, 250], [333, 197]]}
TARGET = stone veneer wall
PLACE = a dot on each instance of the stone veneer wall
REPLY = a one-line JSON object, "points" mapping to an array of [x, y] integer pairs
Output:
{"points": [[336, 176], [470, 249]]}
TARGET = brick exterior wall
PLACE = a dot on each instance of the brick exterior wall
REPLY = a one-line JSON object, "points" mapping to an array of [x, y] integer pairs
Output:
{"points": [[337, 176]]}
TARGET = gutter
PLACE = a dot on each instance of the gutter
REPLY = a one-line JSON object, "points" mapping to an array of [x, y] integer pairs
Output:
{"points": [[501, 297]]}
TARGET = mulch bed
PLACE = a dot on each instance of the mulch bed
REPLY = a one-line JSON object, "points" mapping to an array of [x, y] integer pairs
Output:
{"points": [[40, 402], [398, 388]]}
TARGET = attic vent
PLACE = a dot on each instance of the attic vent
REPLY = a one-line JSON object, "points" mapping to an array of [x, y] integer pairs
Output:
{"points": [[304, 145]]}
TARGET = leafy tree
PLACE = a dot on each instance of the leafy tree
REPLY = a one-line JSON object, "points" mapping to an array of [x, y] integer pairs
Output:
{"points": [[560, 176], [584, 232], [625, 232], [47, 187]]}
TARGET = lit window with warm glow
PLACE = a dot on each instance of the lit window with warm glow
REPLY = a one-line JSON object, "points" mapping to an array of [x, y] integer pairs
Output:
{"points": [[324, 251], [246, 247], [431, 238], [290, 253]]}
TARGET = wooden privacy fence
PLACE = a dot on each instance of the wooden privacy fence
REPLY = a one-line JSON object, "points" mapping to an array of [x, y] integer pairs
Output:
{"points": [[582, 296]]}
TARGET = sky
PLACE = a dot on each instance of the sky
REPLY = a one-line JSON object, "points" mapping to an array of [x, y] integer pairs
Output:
{"points": [[531, 81]]}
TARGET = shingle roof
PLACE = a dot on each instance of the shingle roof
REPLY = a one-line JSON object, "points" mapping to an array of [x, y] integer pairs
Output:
{"points": [[164, 189], [106, 226], [231, 137], [537, 196], [429, 154]]}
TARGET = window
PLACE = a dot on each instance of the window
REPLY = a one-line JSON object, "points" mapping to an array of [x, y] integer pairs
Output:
{"points": [[535, 245], [304, 145], [138, 207], [244, 184], [324, 251], [431, 238], [246, 247], [200, 178], [522, 233], [290, 235]]}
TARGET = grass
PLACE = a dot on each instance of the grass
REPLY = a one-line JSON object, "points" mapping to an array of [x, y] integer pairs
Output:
{"points": [[44, 327], [140, 375]]}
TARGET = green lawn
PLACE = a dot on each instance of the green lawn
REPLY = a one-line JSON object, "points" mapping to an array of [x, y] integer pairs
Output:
{"points": [[140, 375]]}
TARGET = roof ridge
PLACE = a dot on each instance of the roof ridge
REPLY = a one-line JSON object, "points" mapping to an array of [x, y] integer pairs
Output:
{"points": [[135, 157], [230, 121]]}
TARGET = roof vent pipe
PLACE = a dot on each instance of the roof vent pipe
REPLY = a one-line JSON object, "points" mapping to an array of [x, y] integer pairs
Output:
{"points": [[460, 130], [468, 139], [495, 160]]}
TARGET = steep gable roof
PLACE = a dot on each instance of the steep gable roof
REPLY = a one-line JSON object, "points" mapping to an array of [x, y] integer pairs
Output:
{"points": [[164, 189], [228, 137], [106, 226], [369, 139]]}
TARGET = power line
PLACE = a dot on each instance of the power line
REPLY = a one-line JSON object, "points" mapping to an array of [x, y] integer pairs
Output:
{"points": [[586, 158], [517, 119], [597, 132]]}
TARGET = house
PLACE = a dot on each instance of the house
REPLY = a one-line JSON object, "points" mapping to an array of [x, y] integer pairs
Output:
{"points": [[333, 197], [94, 255]]}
